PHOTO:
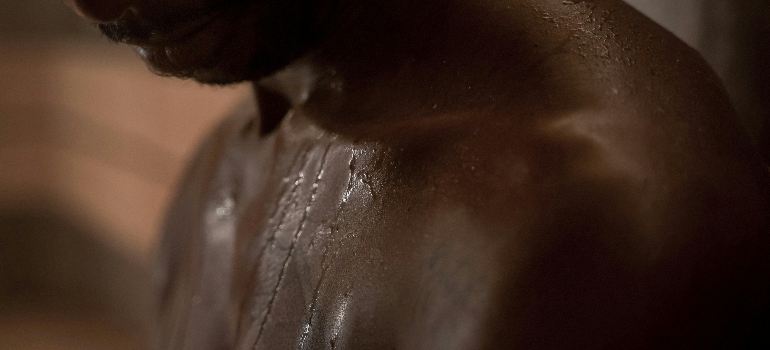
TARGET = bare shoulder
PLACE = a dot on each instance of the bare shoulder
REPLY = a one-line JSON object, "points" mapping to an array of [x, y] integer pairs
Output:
{"points": [[647, 213], [654, 129]]}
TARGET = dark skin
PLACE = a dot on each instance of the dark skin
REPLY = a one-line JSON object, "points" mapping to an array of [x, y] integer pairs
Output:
{"points": [[456, 175]]}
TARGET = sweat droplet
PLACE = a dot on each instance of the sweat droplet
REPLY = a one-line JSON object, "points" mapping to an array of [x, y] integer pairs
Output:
{"points": [[226, 208]]}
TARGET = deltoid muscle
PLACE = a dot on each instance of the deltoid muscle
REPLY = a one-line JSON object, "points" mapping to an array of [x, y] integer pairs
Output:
{"points": [[732, 36]]}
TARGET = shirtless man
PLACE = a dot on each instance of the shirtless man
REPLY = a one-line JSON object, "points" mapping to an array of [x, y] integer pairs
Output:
{"points": [[454, 174]]}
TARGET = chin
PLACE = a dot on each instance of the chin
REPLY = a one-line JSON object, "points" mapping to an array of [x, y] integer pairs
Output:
{"points": [[246, 41]]}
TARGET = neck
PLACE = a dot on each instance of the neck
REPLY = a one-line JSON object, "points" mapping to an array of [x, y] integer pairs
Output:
{"points": [[391, 60]]}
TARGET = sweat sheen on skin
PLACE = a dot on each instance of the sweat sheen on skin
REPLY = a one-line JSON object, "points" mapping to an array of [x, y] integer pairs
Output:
{"points": [[456, 175]]}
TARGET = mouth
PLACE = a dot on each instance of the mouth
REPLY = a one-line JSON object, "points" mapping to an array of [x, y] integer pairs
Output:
{"points": [[181, 45], [231, 42], [134, 29]]}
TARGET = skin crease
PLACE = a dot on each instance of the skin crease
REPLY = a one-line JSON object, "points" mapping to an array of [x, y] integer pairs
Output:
{"points": [[459, 175]]}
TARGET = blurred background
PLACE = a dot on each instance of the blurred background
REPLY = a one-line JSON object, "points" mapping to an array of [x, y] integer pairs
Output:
{"points": [[91, 146]]}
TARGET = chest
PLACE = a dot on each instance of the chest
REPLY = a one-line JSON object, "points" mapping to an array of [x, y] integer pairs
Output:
{"points": [[319, 245], [296, 242], [334, 252]]}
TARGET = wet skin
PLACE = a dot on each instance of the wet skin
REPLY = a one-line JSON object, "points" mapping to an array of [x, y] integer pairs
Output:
{"points": [[464, 175]]}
